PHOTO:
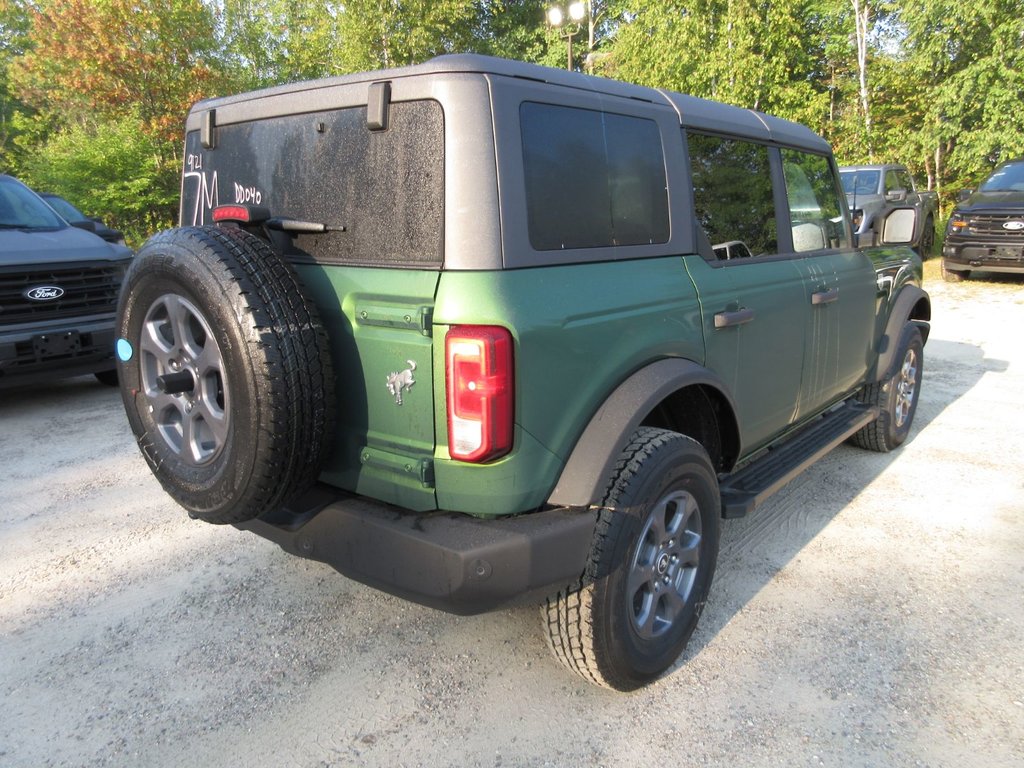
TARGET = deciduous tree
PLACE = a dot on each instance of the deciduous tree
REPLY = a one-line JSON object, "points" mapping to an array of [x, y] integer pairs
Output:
{"points": [[92, 59]]}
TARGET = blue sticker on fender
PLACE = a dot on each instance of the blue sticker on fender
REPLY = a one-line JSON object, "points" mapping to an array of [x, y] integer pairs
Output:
{"points": [[124, 350]]}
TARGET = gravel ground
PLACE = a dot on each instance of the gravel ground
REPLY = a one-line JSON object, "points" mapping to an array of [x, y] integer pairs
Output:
{"points": [[870, 614]]}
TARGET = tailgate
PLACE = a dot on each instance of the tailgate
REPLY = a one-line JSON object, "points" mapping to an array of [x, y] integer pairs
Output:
{"points": [[379, 326]]}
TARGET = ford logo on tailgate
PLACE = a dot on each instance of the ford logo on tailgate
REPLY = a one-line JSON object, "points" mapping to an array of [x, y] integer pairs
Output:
{"points": [[43, 293], [1014, 226]]}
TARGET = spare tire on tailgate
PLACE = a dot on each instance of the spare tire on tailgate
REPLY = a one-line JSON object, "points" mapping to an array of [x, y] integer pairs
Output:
{"points": [[225, 372]]}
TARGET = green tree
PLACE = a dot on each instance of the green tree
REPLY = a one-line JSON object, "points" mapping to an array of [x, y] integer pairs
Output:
{"points": [[512, 29], [14, 27], [91, 59], [109, 169], [380, 33], [759, 55], [950, 94], [268, 42], [109, 83]]}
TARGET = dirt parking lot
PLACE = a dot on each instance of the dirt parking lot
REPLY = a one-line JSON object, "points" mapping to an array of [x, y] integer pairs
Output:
{"points": [[870, 614]]}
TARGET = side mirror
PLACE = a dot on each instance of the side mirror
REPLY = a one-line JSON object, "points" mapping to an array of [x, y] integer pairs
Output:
{"points": [[896, 195], [899, 227], [87, 225], [963, 194]]}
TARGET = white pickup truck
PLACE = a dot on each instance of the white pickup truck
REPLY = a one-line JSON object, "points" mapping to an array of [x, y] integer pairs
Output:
{"points": [[873, 190]]}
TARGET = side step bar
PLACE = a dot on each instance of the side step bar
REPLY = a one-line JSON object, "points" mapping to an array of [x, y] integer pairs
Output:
{"points": [[743, 491]]}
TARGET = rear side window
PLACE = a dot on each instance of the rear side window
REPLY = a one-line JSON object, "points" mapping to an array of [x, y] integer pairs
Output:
{"points": [[732, 194], [386, 188], [593, 179]]}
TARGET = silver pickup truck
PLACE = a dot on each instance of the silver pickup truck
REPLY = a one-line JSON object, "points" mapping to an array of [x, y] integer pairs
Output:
{"points": [[873, 190]]}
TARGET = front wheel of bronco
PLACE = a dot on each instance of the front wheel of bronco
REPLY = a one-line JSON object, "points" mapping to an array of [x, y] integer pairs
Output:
{"points": [[630, 616], [225, 372], [896, 397]]}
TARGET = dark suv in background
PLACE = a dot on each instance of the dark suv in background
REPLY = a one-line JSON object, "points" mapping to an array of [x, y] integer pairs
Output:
{"points": [[78, 219], [986, 230], [58, 293]]}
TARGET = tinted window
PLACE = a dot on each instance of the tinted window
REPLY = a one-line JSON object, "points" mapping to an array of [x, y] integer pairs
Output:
{"points": [[732, 192], [386, 188], [814, 205], [593, 179]]}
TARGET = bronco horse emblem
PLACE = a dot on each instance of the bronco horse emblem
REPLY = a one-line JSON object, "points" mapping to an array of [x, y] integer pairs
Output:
{"points": [[398, 381]]}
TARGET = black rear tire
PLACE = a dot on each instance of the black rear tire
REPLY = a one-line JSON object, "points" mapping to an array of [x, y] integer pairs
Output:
{"points": [[225, 372], [650, 568], [107, 377]]}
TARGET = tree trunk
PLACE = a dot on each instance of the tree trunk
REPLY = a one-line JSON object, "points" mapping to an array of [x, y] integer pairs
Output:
{"points": [[862, 19]]}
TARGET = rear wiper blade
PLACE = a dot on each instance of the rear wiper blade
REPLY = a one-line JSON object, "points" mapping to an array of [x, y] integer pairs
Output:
{"points": [[306, 227]]}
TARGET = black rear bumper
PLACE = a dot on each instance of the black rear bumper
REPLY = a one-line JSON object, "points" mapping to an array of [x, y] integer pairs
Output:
{"points": [[452, 562]]}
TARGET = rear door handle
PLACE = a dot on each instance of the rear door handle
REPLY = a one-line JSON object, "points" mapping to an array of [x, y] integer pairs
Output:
{"points": [[824, 297], [728, 319]]}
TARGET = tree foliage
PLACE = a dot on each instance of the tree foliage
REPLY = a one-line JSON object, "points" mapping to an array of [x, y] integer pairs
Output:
{"points": [[91, 58], [111, 169], [14, 30]]}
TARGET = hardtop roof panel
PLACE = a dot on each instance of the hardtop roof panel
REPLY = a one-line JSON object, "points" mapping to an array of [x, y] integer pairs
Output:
{"points": [[704, 115], [693, 112]]}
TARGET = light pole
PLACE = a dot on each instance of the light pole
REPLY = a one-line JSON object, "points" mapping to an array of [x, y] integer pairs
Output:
{"points": [[557, 17]]}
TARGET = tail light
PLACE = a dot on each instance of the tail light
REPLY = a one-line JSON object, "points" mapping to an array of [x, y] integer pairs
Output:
{"points": [[240, 214], [479, 380]]}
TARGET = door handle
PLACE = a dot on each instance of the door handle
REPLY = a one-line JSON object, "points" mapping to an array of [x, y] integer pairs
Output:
{"points": [[824, 297], [729, 319]]}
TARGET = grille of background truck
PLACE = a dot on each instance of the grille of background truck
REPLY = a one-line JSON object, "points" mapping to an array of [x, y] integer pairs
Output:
{"points": [[89, 289], [991, 226]]}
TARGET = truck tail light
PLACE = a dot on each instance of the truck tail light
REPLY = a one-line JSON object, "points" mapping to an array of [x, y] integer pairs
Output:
{"points": [[479, 380], [240, 214]]}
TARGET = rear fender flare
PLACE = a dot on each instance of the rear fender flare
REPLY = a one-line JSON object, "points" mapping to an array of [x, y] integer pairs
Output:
{"points": [[586, 473]]}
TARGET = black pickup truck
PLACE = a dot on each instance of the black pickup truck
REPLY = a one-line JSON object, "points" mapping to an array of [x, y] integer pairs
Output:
{"points": [[986, 230]]}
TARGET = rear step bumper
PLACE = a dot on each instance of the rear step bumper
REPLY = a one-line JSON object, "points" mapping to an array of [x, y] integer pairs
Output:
{"points": [[455, 563], [467, 565], [744, 490]]}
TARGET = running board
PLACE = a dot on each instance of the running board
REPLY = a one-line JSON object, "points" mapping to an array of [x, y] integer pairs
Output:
{"points": [[743, 491]]}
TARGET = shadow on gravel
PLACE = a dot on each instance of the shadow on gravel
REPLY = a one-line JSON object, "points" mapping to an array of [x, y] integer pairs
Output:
{"points": [[53, 394], [810, 502]]}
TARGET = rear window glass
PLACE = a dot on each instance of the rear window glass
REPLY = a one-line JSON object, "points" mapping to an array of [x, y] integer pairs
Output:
{"points": [[593, 179], [386, 188]]}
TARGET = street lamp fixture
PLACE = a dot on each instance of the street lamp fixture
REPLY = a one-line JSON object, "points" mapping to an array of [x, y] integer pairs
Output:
{"points": [[557, 18]]}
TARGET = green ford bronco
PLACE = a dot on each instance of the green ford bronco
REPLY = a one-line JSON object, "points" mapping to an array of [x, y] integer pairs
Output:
{"points": [[475, 331]]}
